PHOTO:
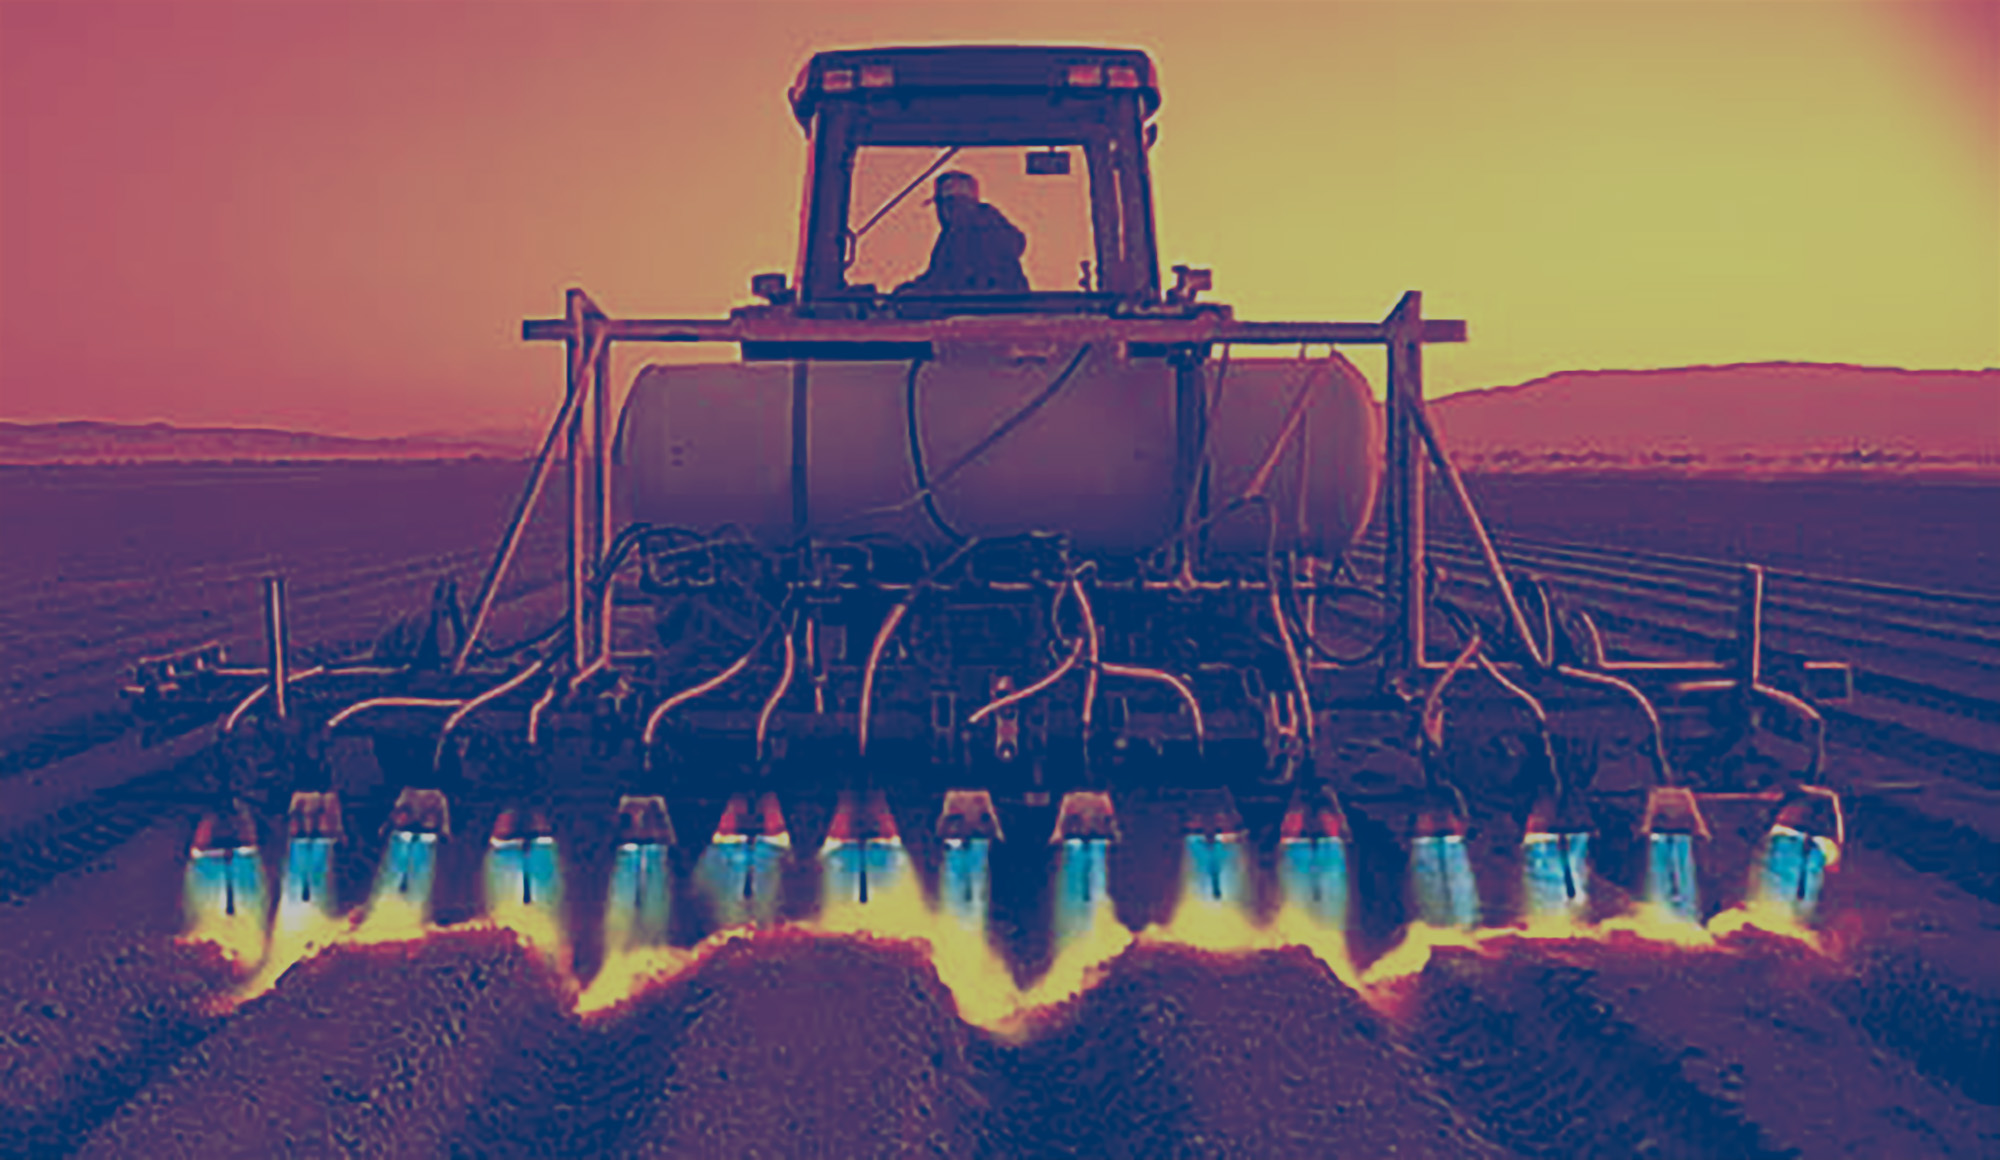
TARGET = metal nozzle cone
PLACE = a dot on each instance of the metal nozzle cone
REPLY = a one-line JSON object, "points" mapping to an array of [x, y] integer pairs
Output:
{"points": [[1314, 813], [866, 820], [315, 815], [1814, 810], [1085, 814], [968, 813], [644, 819], [526, 822], [1554, 816], [739, 821], [1212, 811], [1672, 809], [1439, 822], [771, 817], [421, 810], [226, 829]]}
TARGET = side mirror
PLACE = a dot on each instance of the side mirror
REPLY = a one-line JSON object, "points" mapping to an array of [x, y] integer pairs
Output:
{"points": [[771, 288], [1190, 281]]}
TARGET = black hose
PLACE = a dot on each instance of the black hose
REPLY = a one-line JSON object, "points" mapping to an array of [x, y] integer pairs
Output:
{"points": [[621, 546], [917, 456], [1460, 618], [1545, 612], [1006, 427], [1297, 622], [1199, 500]]}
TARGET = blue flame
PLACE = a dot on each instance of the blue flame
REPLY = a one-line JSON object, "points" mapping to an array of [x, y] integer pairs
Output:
{"points": [[1447, 895], [964, 885], [1557, 875], [309, 875], [1670, 879], [1312, 875], [1083, 886], [1212, 869], [226, 884], [859, 871], [1792, 871], [523, 872], [637, 906], [409, 869], [740, 878]]}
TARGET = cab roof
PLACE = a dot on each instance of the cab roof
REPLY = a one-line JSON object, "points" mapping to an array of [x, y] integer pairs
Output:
{"points": [[983, 68]]}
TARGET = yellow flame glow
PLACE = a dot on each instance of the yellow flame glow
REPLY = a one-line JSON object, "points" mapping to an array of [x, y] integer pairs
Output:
{"points": [[1214, 925], [392, 917], [1413, 952], [1656, 923], [239, 936], [1077, 965], [1209, 924], [979, 981], [299, 932], [1771, 918], [895, 911], [1294, 926], [978, 977], [539, 929], [628, 972]]}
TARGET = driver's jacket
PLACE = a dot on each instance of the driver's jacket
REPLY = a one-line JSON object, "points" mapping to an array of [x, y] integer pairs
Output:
{"points": [[979, 251]]}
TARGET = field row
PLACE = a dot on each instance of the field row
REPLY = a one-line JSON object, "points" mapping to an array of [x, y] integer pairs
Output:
{"points": [[798, 1044]]}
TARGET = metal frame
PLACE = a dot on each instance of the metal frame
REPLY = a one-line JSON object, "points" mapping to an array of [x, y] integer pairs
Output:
{"points": [[1182, 340], [588, 334]]}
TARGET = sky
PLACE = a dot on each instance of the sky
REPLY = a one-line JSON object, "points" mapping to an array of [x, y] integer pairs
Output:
{"points": [[335, 215]]}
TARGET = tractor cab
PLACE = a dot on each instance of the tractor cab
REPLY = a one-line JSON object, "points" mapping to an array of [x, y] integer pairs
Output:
{"points": [[1054, 140]]}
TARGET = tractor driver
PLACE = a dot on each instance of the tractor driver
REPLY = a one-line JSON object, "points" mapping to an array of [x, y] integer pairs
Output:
{"points": [[977, 251]]}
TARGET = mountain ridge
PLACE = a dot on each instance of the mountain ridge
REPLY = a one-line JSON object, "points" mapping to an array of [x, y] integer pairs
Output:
{"points": [[1757, 418], [98, 441]]}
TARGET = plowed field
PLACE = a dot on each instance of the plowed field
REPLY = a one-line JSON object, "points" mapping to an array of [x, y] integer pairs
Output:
{"points": [[117, 1040]]}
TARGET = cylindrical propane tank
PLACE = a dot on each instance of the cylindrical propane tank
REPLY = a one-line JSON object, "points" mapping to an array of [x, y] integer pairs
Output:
{"points": [[1096, 445]]}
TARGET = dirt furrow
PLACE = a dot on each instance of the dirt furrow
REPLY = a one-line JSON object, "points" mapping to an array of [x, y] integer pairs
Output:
{"points": [[805, 1047], [1636, 1049], [360, 1051], [98, 998], [1178, 1052]]}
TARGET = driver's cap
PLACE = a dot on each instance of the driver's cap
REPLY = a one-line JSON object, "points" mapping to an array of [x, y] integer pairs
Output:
{"points": [[954, 184]]}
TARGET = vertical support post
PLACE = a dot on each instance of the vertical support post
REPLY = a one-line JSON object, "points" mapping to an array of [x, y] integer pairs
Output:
{"points": [[1190, 431], [1749, 642], [1404, 570], [801, 426], [489, 589], [578, 342], [1392, 503], [276, 644], [1750, 627], [600, 413]]}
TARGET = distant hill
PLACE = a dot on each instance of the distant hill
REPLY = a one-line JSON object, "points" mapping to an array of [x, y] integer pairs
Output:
{"points": [[1754, 418], [85, 441]]}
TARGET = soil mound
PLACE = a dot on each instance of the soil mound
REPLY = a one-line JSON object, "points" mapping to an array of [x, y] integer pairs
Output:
{"points": [[1584, 1049], [359, 1051], [1181, 1053], [79, 1033], [802, 1046]]}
